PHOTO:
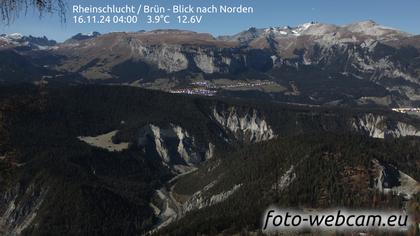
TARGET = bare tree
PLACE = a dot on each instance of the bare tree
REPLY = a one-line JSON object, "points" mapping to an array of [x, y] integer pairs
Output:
{"points": [[10, 9]]}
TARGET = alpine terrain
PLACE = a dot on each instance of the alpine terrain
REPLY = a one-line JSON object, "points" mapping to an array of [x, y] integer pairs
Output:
{"points": [[172, 132]]}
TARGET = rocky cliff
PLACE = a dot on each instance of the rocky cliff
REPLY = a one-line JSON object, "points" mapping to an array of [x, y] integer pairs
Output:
{"points": [[174, 146], [378, 126], [247, 126]]}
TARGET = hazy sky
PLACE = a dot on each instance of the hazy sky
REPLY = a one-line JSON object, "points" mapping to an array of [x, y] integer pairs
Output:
{"points": [[403, 14]]}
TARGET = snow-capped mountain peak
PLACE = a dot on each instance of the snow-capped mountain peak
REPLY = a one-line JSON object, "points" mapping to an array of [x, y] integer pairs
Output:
{"points": [[90, 34], [306, 26], [15, 36], [9, 38], [19, 40], [84, 36], [289, 31]]}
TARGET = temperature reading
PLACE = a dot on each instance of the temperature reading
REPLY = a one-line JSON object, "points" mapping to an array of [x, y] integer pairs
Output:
{"points": [[158, 19], [189, 19]]}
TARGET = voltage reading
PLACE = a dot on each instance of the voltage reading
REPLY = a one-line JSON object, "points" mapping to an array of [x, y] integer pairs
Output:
{"points": [[189, 19]]}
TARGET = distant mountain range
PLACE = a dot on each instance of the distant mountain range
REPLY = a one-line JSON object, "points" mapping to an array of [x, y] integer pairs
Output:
{"points": [[358, 64], [18, 40]]}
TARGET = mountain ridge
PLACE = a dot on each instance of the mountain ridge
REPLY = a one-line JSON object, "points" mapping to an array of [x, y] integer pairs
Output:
{"points": [[354, 25], [296, 63]]}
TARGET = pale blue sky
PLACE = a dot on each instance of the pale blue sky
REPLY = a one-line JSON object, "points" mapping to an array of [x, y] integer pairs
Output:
{"points": [[404, 15]]}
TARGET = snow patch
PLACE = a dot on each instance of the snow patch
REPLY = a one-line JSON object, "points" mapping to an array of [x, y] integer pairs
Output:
{"points": [[15, 36]]}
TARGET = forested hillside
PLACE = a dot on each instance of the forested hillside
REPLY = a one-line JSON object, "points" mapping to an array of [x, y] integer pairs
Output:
{"points": [[91, 159], [304, 172]]}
